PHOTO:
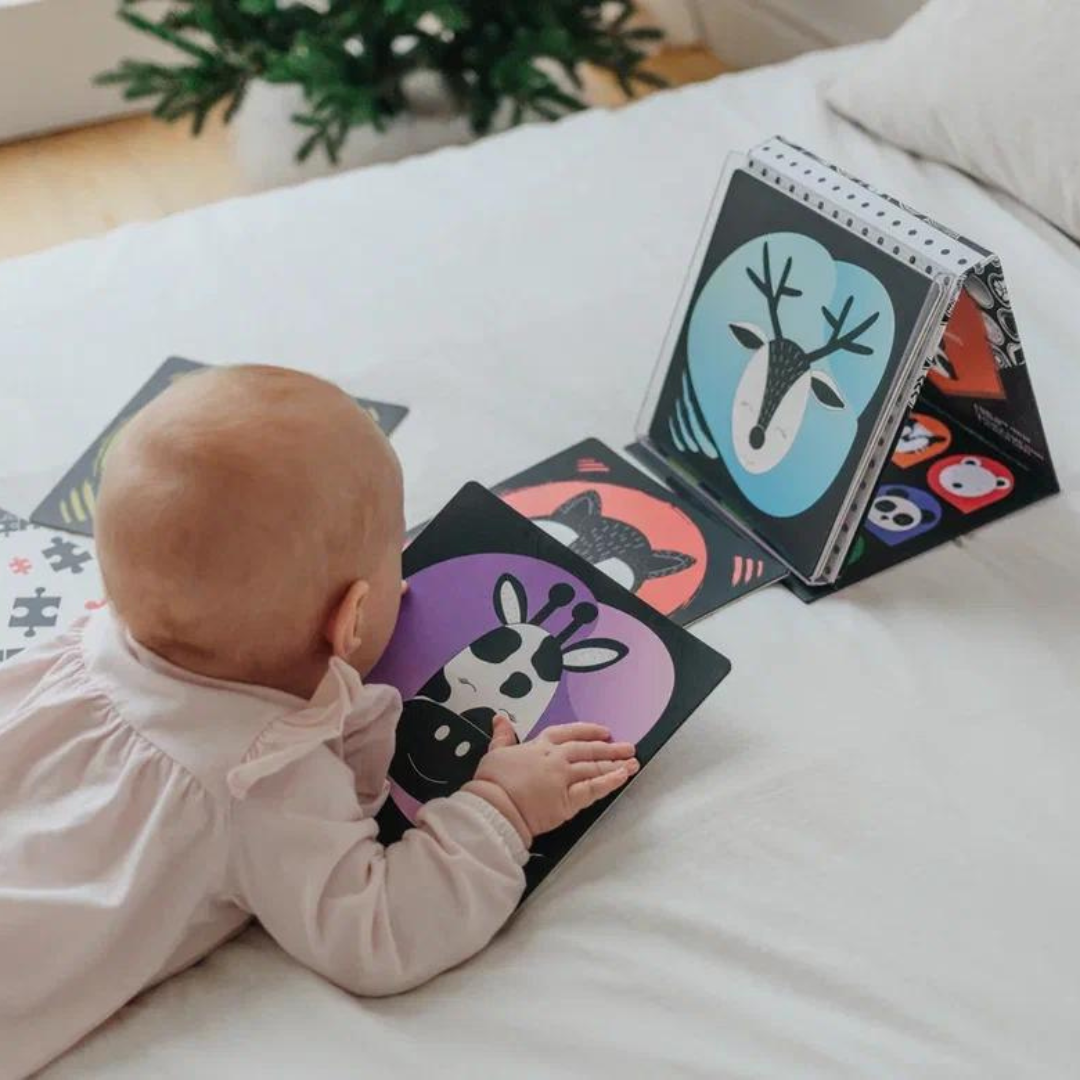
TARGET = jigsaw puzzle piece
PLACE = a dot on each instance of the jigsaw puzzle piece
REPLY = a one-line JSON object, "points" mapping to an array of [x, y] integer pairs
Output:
{"points": [[66, 555], [35, 612]]}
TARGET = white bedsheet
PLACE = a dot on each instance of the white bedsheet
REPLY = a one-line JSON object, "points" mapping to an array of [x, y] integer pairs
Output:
{"points": [[860, 857]]}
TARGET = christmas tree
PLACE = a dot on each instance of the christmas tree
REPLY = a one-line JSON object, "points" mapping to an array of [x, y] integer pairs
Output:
{"points": [[354, 59]]}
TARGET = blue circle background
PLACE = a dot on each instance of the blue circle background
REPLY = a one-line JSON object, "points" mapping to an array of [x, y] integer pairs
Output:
{"points": [[716, 360]]}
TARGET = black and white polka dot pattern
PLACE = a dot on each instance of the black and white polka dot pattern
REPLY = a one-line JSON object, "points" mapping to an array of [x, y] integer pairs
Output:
{"points": [[913, 238]]}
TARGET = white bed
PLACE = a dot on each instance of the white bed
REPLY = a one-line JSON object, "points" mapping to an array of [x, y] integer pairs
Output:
{"points": [[860, 857]]}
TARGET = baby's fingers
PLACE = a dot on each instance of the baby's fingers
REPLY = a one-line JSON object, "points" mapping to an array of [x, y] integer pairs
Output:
{"points": [[587, 770], [502, 733], [564, 733], [585, 792], [598, 751]]}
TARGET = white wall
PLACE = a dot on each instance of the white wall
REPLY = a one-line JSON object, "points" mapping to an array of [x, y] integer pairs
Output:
{"points": [[679, 18], [748, 32], [49, 52]]}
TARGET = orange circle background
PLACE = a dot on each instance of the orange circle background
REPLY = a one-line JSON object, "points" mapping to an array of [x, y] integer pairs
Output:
{"points": [[664, 526]]}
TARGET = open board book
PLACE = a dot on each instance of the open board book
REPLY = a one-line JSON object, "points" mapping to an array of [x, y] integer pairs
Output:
{"points": [[502, 617], [843, 379]]}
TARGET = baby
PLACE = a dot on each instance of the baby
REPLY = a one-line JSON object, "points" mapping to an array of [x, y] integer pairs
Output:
{"points": [[205, 750]]}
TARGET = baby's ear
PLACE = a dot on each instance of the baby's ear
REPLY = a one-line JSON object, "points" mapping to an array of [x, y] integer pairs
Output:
{"points": [[345, 623]]}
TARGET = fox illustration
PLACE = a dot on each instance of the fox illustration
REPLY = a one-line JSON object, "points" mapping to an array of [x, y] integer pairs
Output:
{"points": [[615, 547]]}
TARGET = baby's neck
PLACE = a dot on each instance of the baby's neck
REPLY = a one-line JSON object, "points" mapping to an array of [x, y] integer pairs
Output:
{"points": [[299, 678], [300, 682]]}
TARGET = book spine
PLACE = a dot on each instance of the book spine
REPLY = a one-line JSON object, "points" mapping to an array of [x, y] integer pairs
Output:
{"points": [[878, 219]]}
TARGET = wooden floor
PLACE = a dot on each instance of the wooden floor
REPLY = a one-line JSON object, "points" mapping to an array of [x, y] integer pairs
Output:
{"points": [[84, 182]]}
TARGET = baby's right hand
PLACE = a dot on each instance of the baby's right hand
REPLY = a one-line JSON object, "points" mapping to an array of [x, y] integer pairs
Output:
{"points": [[554, 776]]}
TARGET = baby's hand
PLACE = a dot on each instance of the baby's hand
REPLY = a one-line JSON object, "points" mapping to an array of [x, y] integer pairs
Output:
{"points": [[549, 779]]}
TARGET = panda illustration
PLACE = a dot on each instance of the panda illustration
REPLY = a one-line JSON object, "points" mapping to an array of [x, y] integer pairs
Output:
{"points": [[969, 483], [899, 513], [972, 479]]}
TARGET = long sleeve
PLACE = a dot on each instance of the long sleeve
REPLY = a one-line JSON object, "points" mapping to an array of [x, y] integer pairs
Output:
{"points": [[306, 861]]}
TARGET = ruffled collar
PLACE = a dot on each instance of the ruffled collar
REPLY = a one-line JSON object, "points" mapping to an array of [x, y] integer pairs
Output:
{"points": [[341, 705]]}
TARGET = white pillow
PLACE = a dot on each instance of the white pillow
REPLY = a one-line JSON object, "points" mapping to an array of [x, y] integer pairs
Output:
{"points": [[989, 86]]}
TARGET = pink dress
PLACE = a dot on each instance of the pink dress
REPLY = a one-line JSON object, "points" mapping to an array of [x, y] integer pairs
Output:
{"points": [[147, 813]]}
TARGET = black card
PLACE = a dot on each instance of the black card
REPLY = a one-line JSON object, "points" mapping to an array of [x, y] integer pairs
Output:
{"points": [[501, 617], [70, 504], [674, 557], [794, 334]]}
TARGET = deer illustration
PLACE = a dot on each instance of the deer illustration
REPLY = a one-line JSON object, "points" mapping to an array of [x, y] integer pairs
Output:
{"points": [[773, 393]]}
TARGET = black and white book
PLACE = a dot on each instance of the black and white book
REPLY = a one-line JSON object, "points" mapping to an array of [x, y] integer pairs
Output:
{"points": [[843, 379], [502, 617]]}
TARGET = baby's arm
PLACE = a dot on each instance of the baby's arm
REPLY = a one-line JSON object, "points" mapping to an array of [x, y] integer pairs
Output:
{"points": [[376, 920], [307, 863]]}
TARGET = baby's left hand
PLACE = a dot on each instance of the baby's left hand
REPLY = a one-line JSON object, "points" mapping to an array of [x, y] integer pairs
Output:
{"points": [[544, 782]]}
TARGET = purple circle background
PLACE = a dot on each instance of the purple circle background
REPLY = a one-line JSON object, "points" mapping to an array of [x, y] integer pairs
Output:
{"points": [[450, 604]]}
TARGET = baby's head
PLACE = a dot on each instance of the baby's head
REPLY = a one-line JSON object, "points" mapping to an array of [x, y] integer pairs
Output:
{"points": [[249, 527]]}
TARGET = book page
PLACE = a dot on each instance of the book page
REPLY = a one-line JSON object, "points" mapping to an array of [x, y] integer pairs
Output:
{"points": [[501, 617], [795, 333]]}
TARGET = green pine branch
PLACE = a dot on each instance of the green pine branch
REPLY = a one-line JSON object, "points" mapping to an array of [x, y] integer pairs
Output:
{"points": [[352, 58]]}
